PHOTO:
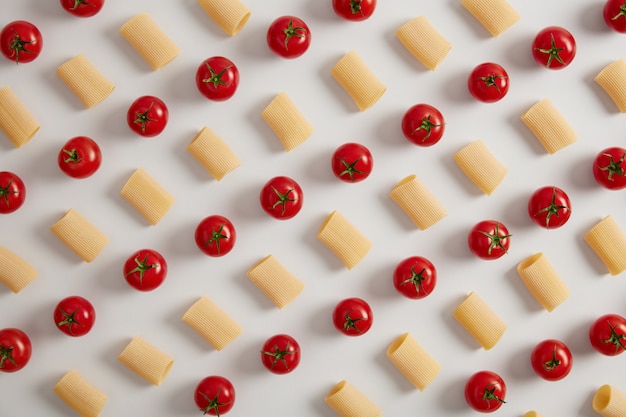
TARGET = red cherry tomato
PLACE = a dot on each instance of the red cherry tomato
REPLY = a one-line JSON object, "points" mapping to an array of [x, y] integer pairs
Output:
{"points": [[15, 350], [485, 391], [12, 192], [488, 82], [288, 37], [549, 207], [217, 78], [281, 197], [551, 359], [280, 354], [352, 162], [415, 277], [423, 125], [74, 316], [554, 47], [147, 116], [489, 239], [214, 395], [145, 270], [609, 168], [353, 316], [354, 10], [614, 14], [607, 334], [215, 236], [80, 157], [82, 8], [21, 42]]}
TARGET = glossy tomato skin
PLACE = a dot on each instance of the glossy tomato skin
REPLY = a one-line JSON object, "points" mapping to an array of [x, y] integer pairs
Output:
{"points": [[352, 162], [280, 354], [614, 14], [607, 334], [288, 37], [551, 359], [554, 47], [82, 8], [15, 349], [485, 391], [353, 316], [217, 78], [80, 157], [145, 270], [423, 125], [549, 207], [281, 197], [488, 82], [147, 116], [215, 235], [489, 239], [12, 192], [415, 277], [214, 395], [354, 10], [609, 168], [21, 42], [74, 316]]}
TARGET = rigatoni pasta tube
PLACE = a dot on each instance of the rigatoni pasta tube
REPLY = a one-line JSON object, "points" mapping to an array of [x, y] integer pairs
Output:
{"points": [[87, 83], [146, 360], [532, 414], [549, 126], [418, 202], [424, 42], [480, 321], [343, 239], [608, 401], [608, 241], [15, 272], [212, 323], [347, 401], [230, 15], [612, 79], [149, 40], [213, 153], [148, 197], [413, 361], [16, 121], [80, 395], [353, 74], [542, 281], [480, 166], [78, 234], [287, 122], [271, 277], [495, 15]]}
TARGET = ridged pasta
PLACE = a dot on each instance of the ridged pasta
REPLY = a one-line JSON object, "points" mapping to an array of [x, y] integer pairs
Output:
{"points": [[608, 241], [213, 153], [353, 74], [532, 414], [608, 401], [148, 197], [495, 15], [418, 202], [15, 272], [146, 360], [424, 42], [230, 15], [89, 85], [16, 121], [549, 126], [80, 395], [480, 166], [271, 277], [343, 239], [542, 281], [612, 79], [480, 321], [287, 122], [413, 361], [347, 401], [149, 40], [212, 323], [78, 234]]}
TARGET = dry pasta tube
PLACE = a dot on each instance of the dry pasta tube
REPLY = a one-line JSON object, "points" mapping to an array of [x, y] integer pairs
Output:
{"points": [[424, 42], [213, 153], [230, 15], [532, 414], [353, 74], [549, 126], [17, 123], [612, 79], [542, 281], [146, 360], [608, 401], [212, 323], [15, 272], [480, 321], [280, 285], [347, 401], [495, 15], [608, 242], [417, 202], [89, 85], [480, 166], [412, 360], [343, 239], [78, 234], [150, 199], [287, 122], [149, 40], [80, 395]]}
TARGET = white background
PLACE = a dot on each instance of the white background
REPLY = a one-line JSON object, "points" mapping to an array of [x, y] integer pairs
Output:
{"points": [[327, 355]]}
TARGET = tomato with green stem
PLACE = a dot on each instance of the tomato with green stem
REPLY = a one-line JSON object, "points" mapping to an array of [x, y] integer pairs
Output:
{"points": [[280, 354], [281, 197], [217, 78], [82, 8], [15, 349], [549, 207], [551, 359], [609, 168], [80, 157], [607, 334], [215, 235], [353, 316], [352, 162], [288, 37], [214, 395], [147, 116], [74, 316], [423, 125], [488, 82], [21, 42], [554, 47], [12, 192], [415, 277], [354, 10], [485, 391], [614, 14], [489, 239], [145, 270]]}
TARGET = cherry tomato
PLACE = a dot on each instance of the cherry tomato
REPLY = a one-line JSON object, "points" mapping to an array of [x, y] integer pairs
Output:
{"points": [[281, 197], [288, 37], [145, 270], [80, 157], [485, 391], [489, 239], [554, 47], [423, 125], [12, 192], [551, 359], [488, 82], [352, 162], [549, 207], [147, 116], [280, 354], [614, 14], [82, 8], [355, 10], [21, 41], [609, 168], [215, 235], [353, 316], [415, 277], [607, 334], [74, 316], [214, 395], [217, 78], [15, 349]]}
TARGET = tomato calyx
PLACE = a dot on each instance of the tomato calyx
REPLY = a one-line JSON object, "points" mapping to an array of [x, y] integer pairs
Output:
{"points": [[553, 362], [350, 168], [143, 118], [72, 156], [283, 199], [490, 81], [78, 3], [215, 78], [416, 279], [495, 240], [355, 7], [5, 191], [426, 125], [18, 46], [613, 168], [5, 355], [552, 209], [553, 52], [216, 236], [142, 267], [291, 31], [350, 323], [279, 355], [622, 12], [615, 338], [213, 404], [69, 320], [490, 394]]}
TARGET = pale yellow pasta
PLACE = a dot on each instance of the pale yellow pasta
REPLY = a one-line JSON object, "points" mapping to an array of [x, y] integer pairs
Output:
{"points": [[612, 79], [532, 414], [213, 153], [89, 85], [17, 123], [608, 401], [149, 40], [418, 202], [146, 360], [413, 361], [287, 122], [608, 241], [542, 281], [353, 74], [348, 401], [212, 323], [230, 15], [15, 272], [150, 199], [480, 321], [280, 285], [80, 395], [424, 42], [480, 166], [549, 126], [495, 15], [343, 239], [81, 236]]}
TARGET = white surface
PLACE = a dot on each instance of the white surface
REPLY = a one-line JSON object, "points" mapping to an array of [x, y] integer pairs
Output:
{"points": [[328, 356]]}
